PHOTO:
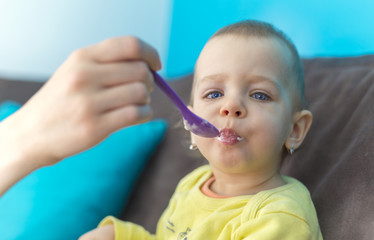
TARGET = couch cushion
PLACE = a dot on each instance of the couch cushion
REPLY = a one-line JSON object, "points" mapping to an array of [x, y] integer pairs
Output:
{"points": [[67, 199], [18, 90]]}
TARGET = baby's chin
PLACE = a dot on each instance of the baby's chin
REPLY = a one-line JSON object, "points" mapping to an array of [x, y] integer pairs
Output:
{"points": [[230, 164]]}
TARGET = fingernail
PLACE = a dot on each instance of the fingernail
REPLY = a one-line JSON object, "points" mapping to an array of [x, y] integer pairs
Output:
{"points": [[145, 113]]}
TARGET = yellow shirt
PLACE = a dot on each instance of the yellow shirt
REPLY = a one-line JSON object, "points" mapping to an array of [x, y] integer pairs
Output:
{"points": [[286, 212]]}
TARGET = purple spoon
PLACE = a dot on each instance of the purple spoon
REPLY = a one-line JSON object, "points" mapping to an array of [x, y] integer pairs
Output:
{"points": [[192, 122]]}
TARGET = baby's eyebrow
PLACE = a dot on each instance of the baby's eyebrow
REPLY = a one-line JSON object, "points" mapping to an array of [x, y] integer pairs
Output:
{"points": [[251, 79], [214, 77], [221, 77], [259, 79]]}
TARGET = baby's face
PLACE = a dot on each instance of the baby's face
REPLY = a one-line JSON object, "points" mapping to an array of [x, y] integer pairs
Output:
{"points": [[241, 87]]}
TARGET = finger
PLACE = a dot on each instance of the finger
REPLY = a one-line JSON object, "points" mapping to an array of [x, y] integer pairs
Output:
{"points": [[135, 93], [103, 232], [125, 116], [125, 49], [113, 74]]}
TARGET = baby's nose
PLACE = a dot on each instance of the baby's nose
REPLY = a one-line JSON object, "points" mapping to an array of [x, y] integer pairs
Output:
{"points": [[232, 113], [233, 110]]}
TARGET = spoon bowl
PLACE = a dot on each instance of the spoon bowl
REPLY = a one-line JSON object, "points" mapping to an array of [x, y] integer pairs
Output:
{"points": [[192, 122]]}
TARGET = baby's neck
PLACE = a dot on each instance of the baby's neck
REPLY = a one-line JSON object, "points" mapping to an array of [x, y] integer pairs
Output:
{"points": [[238, 185]]}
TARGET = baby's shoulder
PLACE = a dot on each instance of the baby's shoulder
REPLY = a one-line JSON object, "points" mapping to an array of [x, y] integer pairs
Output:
{"points": [[293, 198]]}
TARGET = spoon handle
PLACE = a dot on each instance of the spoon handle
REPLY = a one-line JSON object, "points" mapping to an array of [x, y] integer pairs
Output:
{"points": [[169, 92]]}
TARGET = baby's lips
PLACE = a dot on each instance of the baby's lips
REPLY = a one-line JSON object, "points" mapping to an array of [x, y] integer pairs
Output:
{"points": [[229, 136], [228, 132]]}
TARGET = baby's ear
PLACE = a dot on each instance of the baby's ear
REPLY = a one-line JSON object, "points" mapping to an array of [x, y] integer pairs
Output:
{"points": [[301, 124]]}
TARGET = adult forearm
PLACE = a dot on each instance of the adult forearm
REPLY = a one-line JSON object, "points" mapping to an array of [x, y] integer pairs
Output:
{"points": [[11, 171], [14, 159]]}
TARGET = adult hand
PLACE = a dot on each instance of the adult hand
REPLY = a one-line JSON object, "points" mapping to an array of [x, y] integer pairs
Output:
{"points": [[98, 90]]}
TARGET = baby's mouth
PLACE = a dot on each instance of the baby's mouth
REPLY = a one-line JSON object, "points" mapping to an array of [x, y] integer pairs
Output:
{"points": [[229, 136]]}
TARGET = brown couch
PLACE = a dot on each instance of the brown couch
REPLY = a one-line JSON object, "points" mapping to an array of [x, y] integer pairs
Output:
{"points": [[336, 161]]}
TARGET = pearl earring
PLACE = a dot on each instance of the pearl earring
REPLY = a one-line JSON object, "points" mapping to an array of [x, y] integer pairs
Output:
{"points": [[193, 147]]}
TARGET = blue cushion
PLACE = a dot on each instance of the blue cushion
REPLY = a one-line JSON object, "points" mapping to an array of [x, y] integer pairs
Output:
{"points": [[65, 200]]}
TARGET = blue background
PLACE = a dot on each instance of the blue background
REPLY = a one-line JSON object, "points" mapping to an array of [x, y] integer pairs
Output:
{"points": [[318, 28], [36, 36]]}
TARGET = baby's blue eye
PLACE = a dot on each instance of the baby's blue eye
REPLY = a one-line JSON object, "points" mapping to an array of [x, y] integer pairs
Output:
{"points": [[260, 96], [213, 95]]}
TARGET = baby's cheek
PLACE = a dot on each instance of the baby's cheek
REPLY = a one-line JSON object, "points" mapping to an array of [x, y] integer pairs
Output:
{"points": [[203, 143], [279, 134], [270, 131], [206, 146]]}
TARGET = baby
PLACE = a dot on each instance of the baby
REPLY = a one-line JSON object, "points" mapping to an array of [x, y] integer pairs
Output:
{"points": [[248, 82]]}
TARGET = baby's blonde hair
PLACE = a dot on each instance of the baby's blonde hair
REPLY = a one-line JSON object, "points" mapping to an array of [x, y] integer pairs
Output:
{"points": [[254, 28]]}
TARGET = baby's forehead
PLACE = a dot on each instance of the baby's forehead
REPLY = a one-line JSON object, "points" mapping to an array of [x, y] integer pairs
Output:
{"points": [[265, 55], [271, 46]]}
